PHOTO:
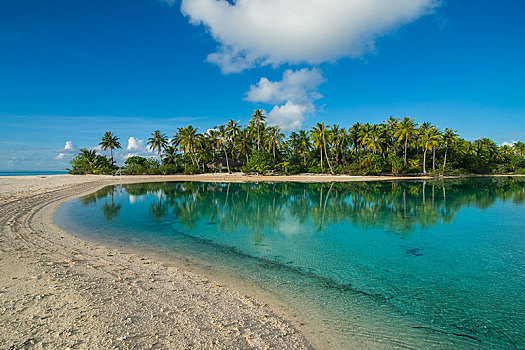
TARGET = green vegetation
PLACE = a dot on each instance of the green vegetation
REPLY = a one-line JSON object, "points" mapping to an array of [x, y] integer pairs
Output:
{"points": [[396, 146]]}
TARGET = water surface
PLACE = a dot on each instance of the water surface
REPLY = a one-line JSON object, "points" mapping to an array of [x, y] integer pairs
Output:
{"points": [[379, 264]]}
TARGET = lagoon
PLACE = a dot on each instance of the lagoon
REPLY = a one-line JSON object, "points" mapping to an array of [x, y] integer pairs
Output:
{"points": [[413, 264]]}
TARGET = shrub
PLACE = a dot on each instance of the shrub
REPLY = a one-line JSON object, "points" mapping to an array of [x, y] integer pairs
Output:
{"points": [[191, 169], [396, 164], [372, 164], [340, 169], [88, 162], [260, 162], [316, 169]]}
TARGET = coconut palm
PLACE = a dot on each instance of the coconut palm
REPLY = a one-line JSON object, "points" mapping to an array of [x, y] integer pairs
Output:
{"points": [[429, 139], [354, 137], [187, 140], [170, 155], [405, 133], [158, 141], [303, 144], [519, 148], [450, 140], [244, 143], [319, 137], [233, 130], [205, 150], [390, 127], [110, 141], [222, 142], [258, 118], [374, 139], [275, 139], [436, 139]]}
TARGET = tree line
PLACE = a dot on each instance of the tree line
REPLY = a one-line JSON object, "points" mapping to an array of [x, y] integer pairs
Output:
{"points": [[396, 146]]}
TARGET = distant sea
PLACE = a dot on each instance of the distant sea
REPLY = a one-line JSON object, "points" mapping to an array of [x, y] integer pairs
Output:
{"points": [[29, 173]]}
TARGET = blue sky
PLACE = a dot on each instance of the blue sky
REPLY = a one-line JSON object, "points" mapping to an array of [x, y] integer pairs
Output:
{"points": [[71, 70]]}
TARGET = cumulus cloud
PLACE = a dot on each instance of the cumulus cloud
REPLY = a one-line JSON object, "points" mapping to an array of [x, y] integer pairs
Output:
{"points": [[137, 147], [293, 96], [274, 32], [70, 147], [68, 151], [506, 143]]}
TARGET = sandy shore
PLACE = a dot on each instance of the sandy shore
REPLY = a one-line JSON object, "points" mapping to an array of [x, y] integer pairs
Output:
{"points": [[58, 291]]}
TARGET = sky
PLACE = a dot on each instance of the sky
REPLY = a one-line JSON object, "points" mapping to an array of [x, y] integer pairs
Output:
{"points": [[72, 70]]}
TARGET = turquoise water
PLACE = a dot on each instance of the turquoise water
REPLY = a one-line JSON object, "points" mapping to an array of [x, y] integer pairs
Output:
{"points": [[380, 264]]}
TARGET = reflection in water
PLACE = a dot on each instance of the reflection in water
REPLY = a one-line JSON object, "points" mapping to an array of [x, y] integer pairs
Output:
{"points": [[440, 252], [395, 206]]}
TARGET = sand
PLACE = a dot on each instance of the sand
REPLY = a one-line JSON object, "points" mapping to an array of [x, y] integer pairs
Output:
{"points": [[59, 291]]}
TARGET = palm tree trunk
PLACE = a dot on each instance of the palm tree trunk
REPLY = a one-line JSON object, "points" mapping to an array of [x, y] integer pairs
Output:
{"points": [[227, 162], [406, 145], [304, 159], [433, 158], [445, 160], [425, 162], [322, 169], [258, 139]]}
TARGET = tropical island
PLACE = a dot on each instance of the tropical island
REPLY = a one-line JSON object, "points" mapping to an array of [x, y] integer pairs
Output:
{"points": [[398, 146]]}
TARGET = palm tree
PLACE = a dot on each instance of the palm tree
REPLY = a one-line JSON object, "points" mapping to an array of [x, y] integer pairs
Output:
{"points": [[317, 140], [354, 137], [303, 144], [170, 155], [111, 142], [222, 142], [205, 149], [320, 140], [450, 139], [519, 148], [233, 129], [436, 140], [405, 133], [158, 141], [428, 140], [258, 118], [244, 143], [187, 140], [373, 139], [275, 138], [391, 126]]}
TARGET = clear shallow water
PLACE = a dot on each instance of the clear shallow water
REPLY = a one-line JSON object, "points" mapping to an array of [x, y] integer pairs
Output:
{"points": [[386, 265]]}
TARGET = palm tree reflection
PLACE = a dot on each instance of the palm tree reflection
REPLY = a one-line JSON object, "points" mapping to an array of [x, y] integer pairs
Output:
{"points": [[397, 207]]}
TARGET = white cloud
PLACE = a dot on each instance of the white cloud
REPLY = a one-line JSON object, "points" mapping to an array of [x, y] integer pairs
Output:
{"points": [[293, 96], [137, 147], [506, 143], [68, 151], [274, 32], [70, 147]]}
